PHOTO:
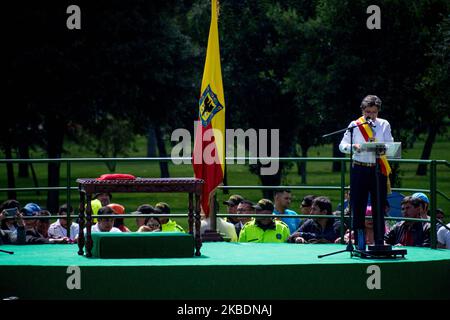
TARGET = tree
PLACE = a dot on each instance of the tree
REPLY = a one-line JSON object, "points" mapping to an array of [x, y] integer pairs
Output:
{"points": [[344, 61], [435, 85], [123, 64], [304, 76]]}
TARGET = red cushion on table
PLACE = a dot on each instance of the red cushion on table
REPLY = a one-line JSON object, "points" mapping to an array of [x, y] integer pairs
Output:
{"points": [[116, 176]]}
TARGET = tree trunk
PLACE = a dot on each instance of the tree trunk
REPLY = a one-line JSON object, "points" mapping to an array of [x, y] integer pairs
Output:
{"points": [[163, 165], [395, 177], [225, 181], [35, 180], [426, 152], [111, 165], [55, 138], [271, 180], [303, 165], [10, 172], [151, 142], [24, 153], [298, 163]]}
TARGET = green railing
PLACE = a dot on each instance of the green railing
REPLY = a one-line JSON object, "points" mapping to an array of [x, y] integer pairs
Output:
{"points": [[432, 190]]}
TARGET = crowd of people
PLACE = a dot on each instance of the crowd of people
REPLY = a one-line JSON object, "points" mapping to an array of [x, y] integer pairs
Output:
{"points": [[287, 226], [29, 225], [325, 225]]}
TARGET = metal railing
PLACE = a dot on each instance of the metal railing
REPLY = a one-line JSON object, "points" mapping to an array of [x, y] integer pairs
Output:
{"points": [[432, 190]]}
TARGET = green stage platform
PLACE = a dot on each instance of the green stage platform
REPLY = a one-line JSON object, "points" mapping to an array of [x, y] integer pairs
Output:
{"points": [[225, 270]]}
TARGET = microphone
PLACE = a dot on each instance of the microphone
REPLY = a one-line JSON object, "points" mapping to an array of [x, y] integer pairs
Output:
{"points": [[370, 122]]}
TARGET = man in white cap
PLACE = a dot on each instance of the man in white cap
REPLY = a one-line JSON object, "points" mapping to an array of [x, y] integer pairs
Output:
{"points": [[443, 237], [424, 204]]}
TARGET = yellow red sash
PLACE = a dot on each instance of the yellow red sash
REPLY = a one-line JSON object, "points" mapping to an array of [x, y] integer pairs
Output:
{"points": [[367, 133]]}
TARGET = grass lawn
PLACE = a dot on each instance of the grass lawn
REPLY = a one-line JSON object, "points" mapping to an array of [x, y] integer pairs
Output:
{"points": [[319, 174]]}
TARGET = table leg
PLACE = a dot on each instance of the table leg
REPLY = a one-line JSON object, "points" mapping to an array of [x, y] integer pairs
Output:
{"points": [[88, 226], [191, 213], [81, 240], [198, 239]]}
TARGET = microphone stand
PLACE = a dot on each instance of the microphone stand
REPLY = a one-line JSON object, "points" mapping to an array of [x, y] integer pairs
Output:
{"points": [[349, 247]]}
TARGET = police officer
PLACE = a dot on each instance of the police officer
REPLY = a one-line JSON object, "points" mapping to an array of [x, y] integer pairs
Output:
{"points": [[264, 229], [167, 225]]}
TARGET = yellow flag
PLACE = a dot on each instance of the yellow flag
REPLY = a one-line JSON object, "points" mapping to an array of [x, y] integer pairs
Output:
{"points": [[209, 146]]}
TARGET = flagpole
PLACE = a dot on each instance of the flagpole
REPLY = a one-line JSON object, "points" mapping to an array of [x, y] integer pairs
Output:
{"points": [[212, 117], [213, 213]]}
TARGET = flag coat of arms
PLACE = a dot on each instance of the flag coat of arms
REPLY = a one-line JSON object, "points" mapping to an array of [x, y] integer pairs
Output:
{"points": [[209, 146]]}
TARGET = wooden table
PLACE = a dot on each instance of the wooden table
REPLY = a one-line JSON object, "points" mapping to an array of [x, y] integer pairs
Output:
{"points": [[89, 186]]}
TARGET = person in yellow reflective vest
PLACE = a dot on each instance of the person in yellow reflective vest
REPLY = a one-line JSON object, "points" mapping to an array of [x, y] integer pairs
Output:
{"points": [[167, 225], [264, 229], [95, 206]]}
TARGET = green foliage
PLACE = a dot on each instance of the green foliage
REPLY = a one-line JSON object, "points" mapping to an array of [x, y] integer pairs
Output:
{"points": [[111, 138], [435, 83], [130, 61]]}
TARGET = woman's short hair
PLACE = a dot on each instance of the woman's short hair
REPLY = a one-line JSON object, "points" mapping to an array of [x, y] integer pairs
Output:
{"points": [[371, 101]]}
